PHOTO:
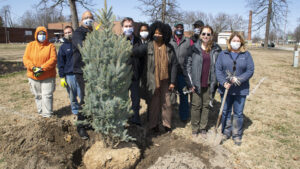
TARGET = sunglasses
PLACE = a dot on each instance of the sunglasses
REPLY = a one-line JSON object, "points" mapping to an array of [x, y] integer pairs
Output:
{"points": [[234, 67], [206, 34]]}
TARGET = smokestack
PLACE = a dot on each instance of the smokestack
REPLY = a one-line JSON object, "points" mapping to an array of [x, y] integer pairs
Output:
{"points": [[250, 25]]}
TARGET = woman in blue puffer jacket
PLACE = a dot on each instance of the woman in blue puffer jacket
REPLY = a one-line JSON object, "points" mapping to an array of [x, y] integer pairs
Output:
{"points": [[234, 68]]}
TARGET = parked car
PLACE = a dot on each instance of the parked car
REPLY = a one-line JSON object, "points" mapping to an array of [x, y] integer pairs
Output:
{"points": [[56, 40], [270, 44]]}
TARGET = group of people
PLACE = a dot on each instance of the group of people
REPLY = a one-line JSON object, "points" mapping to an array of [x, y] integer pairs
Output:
{"points": [[162, 60]]}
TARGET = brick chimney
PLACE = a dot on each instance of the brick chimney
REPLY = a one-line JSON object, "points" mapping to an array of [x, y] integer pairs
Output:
{"points": [[250, 25]]}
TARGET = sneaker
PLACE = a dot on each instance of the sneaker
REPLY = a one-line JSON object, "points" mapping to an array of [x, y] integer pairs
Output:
{"points": [[224, 138], [237, 141], [203, 134], [195, 134], [82, 133], [168, 130]]}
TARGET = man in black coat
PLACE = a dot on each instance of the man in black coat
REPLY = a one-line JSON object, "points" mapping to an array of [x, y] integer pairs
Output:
{"points": [[197, 29], [136, 63], [79, 35]]}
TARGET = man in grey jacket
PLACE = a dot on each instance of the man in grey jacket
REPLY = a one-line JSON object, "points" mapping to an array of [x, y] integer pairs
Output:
{"points": [[181, 46]]}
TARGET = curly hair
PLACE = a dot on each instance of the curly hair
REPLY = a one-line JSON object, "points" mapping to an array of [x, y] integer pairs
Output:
{"points": [[165, 30]]}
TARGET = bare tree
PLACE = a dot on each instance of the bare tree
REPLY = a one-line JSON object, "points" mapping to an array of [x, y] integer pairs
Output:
{"points": [[256, 38], [1, 22], [219, 22], [297, 33], [190, 17], [87, 4], [236, 22], [31, 19], [267, 13], [165, 10], [5, 12]]}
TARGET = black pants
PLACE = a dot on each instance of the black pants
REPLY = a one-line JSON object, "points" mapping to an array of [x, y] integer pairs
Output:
{"points": [[81, 83], [135, 98]]}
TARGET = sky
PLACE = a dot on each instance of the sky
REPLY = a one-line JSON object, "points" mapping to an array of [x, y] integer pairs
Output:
{"points": [[129, 8]]}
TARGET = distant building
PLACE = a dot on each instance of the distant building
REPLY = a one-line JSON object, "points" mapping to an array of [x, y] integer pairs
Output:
{"points": [[224, 36], [21, 35]]}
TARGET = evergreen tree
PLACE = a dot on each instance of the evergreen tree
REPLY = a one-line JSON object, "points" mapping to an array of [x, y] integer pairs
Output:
{"points": [[108, 76]]}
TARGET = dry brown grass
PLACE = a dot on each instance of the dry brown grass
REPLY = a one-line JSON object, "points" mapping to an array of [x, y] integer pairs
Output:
{"points": [[270, 141]]}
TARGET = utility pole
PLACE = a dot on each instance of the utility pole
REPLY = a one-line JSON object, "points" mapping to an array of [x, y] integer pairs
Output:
{"points": [[163, 13]]}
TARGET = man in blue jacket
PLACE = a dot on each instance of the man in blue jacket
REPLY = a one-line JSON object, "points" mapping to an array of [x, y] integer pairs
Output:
{"points": [[65, 69]]}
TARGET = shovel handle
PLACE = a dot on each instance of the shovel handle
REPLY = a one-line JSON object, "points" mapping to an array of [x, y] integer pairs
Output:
{"points": [[221, 109]]}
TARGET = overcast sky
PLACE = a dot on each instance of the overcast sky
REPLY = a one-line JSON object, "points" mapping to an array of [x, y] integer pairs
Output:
{"points": [[124, 8]]}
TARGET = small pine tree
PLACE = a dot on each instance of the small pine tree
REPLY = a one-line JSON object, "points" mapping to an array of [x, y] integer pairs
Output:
{"points": [[108, 76]]}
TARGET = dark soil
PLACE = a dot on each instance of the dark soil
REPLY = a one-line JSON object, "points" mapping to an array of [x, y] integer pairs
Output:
{"points": [[10, 67], [46, 143]]}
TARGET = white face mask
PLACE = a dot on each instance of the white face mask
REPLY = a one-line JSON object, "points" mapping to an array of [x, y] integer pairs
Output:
{"points": [[88, 22], [144, 34], [41, 38], [235, 45], [128, 31], [197, 31]]}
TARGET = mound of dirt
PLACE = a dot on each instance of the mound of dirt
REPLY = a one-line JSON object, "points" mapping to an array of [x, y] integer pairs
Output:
{"points": [[173, 152], [46, 143], [98, 156], [178, 160], [10, 67]]}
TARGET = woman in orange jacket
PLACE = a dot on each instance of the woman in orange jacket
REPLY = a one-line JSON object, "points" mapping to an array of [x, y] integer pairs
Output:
{"points": [[40, 61]]}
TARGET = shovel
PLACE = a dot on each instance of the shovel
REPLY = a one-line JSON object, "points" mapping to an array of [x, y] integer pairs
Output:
{"points": [[215, 136]]}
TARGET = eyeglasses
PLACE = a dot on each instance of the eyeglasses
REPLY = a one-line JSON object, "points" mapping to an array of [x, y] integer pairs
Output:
{"points": [[207, 34]]}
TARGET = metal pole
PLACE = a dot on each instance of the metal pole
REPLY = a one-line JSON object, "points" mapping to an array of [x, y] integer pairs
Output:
{"points": [[296, 54]]}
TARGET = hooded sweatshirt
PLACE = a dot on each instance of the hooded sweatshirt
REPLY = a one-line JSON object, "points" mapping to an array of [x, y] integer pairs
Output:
{"points": [[40, 55]]}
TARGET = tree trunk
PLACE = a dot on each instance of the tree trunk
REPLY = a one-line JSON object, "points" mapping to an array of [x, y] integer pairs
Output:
{"points": [[163, 13], [73, 9], [268, 24]]}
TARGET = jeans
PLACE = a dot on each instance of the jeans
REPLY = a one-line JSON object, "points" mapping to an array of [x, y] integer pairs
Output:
{"points": [[43, 92], [184, 102], [135, 98], [81, 83], [233, 128], [73, 91]]}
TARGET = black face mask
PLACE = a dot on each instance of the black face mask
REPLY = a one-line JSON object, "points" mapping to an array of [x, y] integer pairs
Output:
{"points": [[179, 33], [157, 38]]}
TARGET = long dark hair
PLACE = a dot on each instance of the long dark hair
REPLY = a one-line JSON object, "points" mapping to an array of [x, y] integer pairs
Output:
{"points": [[165, 30], [210, 42]]}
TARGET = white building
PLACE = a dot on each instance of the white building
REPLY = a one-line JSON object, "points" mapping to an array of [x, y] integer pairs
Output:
{"points": [[223, 37]]}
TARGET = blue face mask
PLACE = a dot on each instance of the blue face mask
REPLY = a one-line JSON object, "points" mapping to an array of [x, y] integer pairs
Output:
{"points": [[41, 38]]}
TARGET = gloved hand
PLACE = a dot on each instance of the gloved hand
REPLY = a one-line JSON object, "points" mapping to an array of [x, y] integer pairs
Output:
{"points": [[37, 71], [63, 82]]}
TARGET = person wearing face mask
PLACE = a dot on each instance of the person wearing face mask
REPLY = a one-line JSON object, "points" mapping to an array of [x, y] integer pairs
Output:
{"points": [[234, 68], [136, 63], [197, 29], [144, 33], [65, 70], [181, 45], [201, 79], [159, 75], [40, 60], [87, 23]]}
